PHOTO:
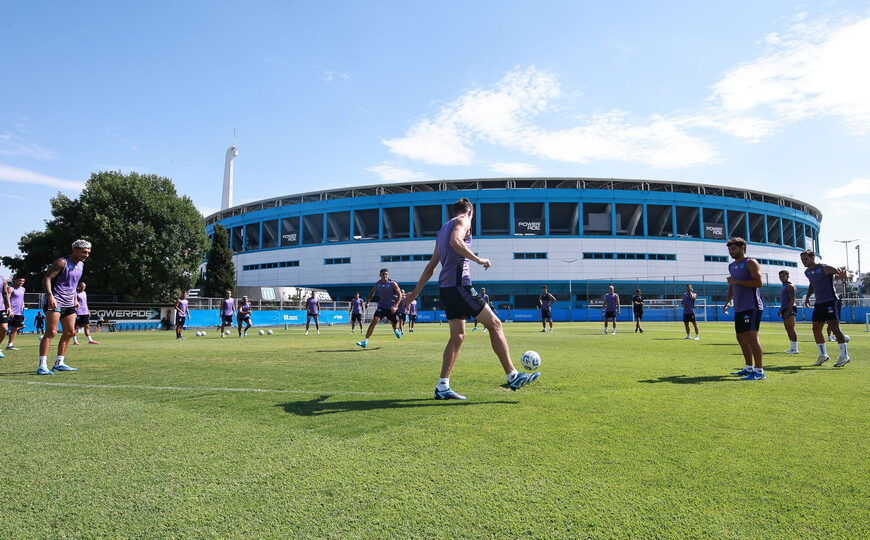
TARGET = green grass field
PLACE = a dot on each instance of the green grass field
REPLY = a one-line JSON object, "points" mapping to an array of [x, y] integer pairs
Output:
{"points": [[633, 435]]}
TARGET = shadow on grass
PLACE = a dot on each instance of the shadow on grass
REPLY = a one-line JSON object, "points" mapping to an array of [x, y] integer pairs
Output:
{"points": [[10, 373], [685, 379], [347, 350], [319, 406]]}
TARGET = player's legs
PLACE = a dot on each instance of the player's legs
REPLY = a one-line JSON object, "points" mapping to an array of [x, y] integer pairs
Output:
{"points": [[686, 324], [4, 327], [614, 324], [834, 327], [68, 327], [372, 325], [178, 328], [751, 347], [496, 338], [695, 324], [551, 321], [454, 344], [316, 322], [819, 336], [789, 323]]}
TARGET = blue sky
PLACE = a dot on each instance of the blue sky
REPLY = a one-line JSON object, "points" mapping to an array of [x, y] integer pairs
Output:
{"points": [[771, 95]]}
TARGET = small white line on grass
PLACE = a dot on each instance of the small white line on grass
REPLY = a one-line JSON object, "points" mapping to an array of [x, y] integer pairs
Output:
{"points": [[206, 389]]}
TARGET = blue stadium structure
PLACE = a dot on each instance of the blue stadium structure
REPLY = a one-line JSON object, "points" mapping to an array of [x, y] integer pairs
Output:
{"points": [[572, 234]]}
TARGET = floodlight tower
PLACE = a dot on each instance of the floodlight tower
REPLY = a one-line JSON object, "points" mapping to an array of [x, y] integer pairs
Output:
{"points": [[232, 153]]}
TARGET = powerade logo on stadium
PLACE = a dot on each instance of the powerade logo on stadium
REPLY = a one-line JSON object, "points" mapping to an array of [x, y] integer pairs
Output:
{"points": [[127, 314], [715, 231], [528, 227], [289, 237]]}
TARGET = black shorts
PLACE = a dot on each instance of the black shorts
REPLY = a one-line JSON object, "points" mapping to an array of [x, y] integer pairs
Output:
{"points": [[309, 314], [688, 317], [402, 316], [64, 311], [243, 318], [17, 321], [788, 313], [545, 314], [747, 321], [179, 321], [356, 317], [609, 314], [386, 313], [412, 317], [83, 320], [461, 302], [226, 319], [638, 314], [827, 311]]}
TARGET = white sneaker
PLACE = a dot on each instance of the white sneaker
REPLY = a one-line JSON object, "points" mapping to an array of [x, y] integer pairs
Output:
{"points": [[318, 332], [822, 359], [697, 338], [306, 332], [551, 330], [792, 351], [832, 338], [605, 330], [687, 337], [842, 360], [614, 333]]}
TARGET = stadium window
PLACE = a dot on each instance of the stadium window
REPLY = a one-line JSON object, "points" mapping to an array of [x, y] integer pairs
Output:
{"points": [[659, 220], [237, 237], [337, 260], [397, 222], [799, 234], [715, 258], [495, 219], [688, 221], [788, 232], [737, 224], [564, 219], [312, 229], [287, 264], [629, 219], [529, 219], [249, 267], [530, 255], [338, 226], [596, 219], [270, 234], [427, 221], [774, 235], [290, 231], [365, 224], [252, 236], [756, 228], [714, 223], [610, 255]]}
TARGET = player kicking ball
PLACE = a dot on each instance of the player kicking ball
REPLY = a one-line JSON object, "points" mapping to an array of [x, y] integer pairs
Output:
{"points": [[389, 296], [461, 301]]}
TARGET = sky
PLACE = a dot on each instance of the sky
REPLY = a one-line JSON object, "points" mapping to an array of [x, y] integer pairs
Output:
{"points": [[772, 96]]}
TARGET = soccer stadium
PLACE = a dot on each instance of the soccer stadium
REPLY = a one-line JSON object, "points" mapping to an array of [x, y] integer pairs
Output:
{"points": [[576, 235]]}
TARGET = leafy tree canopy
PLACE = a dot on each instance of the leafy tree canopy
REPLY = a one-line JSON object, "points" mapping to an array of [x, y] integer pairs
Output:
{"points": [[220, 272], [147, 241]]}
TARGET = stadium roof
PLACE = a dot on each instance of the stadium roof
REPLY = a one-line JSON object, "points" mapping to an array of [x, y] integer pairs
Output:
{"points": [[474, 184]]}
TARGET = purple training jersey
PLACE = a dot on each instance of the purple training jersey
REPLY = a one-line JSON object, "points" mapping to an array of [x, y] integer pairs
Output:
{"points": [[412, 308], [610, 302], [83, 303], [823, 284], [313, 306], [356, 306], [182, 308], [546, 300], [3, 284], [16, 301], [454, 267], [386, 294], [784, 296], [65, 283], [688, 304], [227, 307], [245, 309], [745, 298]]}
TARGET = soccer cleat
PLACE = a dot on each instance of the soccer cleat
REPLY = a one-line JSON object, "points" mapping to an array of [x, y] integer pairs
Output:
{"points": [[474, 329], [743, 371], [2, 355], [822, 359], [361, 344], [697, 338], [75, 342], [93, 342], [523, 379], [687, 337], [792, 351], [842, 360], [605, 330], [398, 334], [544, 330], [306, 332], [635, 330], [754, 376], [44, 371], [318, 332], [832, 338], [641, 330], [614, 333], [64, 367], [11, 348], [448, 394], [551, 330], [484, 329]]}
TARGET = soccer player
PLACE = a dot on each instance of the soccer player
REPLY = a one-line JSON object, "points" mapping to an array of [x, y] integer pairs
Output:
{"points": [[355, 310], [412, 315], [39, 320], [460, 300], [610, 309], [181, 314], [744, 285], [60, 283], [83, 315], [389, 295], [689, 298], [827, 308], [312, 306], [545, 304], [788, 310], [244, 316], [6, 313], [401, 312], [228, 309], [637, 305], [16, 302], [485, 299]]}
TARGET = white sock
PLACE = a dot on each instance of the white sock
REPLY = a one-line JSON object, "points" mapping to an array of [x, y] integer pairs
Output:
{"points": [[43, 362], [843, 349], [58, 361], [749, 367], [76, 340], [443, 384], [512, 375], [90, 339], [794, 345], [823, 349]]}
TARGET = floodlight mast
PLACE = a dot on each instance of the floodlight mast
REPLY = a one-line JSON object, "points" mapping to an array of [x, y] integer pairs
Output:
{"points": [[232, 153]]}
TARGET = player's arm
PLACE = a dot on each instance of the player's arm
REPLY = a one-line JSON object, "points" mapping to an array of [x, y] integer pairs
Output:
{"points": [[552, 300], [425, 276], [398, 291], [617, 303], [177, 309], [56, 268], [457, 242], [839, 272], [728, 298], [371, 295], [810, 292], [792, 293]]}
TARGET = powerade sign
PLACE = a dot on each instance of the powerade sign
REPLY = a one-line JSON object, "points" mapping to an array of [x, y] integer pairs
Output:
{"points": [[716, 231], [128, 314], [525, 226]]}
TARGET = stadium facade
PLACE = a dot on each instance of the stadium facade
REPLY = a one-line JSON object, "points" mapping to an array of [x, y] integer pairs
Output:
{"points": [[576, 234]]}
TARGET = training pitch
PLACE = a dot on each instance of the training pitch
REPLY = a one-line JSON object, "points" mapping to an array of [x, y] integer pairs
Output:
{"points": [[633, 435]]}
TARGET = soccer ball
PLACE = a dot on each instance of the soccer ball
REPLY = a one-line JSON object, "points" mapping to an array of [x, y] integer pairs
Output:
{"points": [[226, 332], [262, 332], [203, 333], [531, 360], [198, 333], [269, 332]]}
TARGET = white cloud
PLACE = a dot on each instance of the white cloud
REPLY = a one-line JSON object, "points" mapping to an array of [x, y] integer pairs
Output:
{"points": [[514, 169], [12, 196], [330, 76], [859, 186], [13, 145], [24, 176], [391, 173]]}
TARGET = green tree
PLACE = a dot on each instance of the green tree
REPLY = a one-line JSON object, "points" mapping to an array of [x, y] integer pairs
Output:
{"points": [[220, 272], [147, 241]]}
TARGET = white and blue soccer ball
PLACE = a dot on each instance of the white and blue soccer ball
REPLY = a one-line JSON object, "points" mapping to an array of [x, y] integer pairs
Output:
{"points": [[203, 333], [531, 360], [262, 332], [269, 332], [226, 332]]}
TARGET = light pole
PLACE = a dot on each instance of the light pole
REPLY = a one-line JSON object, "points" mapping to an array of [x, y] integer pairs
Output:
{"points": [[570, 291], [847, 242], [860, 281]]}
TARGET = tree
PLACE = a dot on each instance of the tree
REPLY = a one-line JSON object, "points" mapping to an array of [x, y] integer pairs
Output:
{"points": [[147, 241], [220, 272]]}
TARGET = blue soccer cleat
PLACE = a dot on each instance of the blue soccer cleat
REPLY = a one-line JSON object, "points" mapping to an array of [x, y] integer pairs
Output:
{"points": [[754, 376], [64, 367], [742, 372], [448, 394], [44, 371], [361, 344], [398, 334], [523, 379]]}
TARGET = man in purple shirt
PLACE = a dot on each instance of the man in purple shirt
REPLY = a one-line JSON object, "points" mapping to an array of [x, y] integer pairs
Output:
{"points": [[355, 310], [389, 296], [401, 314], [460, 300], [689, 298], [485, 299], [788, 310], [312, 310], [16, 303], [244, 316], [228, 309], [744, 285], [545, 303], [60, 283], [827, 308], [182, 312], [412, 315], [5, 310], [83, 315], [610, 309]]}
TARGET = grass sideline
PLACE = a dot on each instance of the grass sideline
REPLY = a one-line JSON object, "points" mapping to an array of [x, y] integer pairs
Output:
{"points": [[633, 435]]}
